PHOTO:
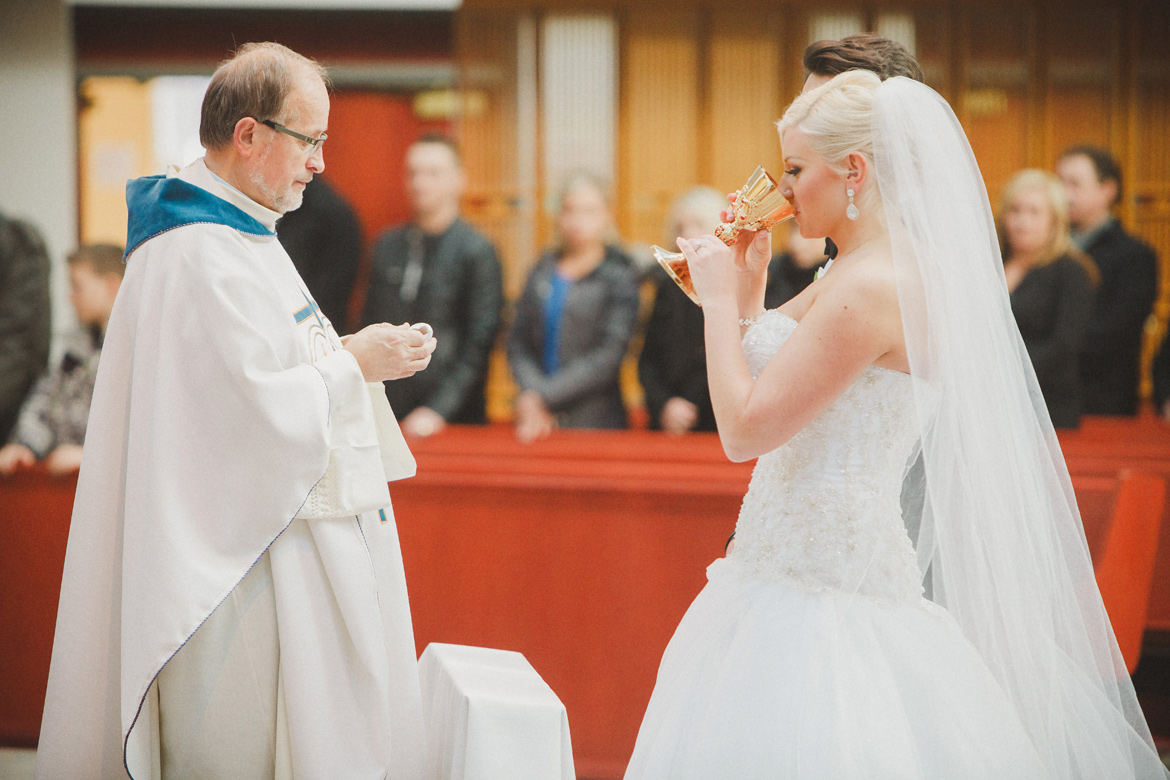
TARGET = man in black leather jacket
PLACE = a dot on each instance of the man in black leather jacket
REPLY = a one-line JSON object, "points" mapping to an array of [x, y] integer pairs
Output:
{"points": [[440, 270], [1129, 281], [24, 316]]}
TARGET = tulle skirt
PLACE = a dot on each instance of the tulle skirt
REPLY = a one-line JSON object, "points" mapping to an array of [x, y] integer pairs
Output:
{"points": [[765, 680]]}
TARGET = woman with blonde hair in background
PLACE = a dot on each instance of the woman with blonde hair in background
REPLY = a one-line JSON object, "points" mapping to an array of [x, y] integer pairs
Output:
{"points": [[811, 652], [574, 321], [1051, 286], [672, 367]]}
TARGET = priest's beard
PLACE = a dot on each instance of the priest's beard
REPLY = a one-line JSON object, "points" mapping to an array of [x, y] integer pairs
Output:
{"points": [[282, 202]]}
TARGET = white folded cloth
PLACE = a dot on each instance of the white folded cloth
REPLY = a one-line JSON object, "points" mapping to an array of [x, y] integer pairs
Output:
{"points": [[490, 716]]}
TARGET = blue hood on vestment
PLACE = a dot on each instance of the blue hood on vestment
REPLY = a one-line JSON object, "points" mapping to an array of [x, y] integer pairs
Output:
{"points": [[158, 204]]}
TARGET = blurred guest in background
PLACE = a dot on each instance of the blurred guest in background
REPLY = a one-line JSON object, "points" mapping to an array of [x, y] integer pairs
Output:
{"points": [[52, 421], [1051, 284], [574, 321], [24, 315], [794, 268], [1129, 281], [440, 270], [324, 240], [673, 365]]}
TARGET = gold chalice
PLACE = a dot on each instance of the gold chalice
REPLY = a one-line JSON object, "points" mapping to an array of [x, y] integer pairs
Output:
{"points": [[758, 205]]}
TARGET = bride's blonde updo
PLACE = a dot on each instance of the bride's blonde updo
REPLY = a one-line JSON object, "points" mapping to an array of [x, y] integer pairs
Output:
{"points": [[836, 118]]}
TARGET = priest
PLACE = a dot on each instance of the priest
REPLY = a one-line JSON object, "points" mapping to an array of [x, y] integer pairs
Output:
{"points": [[233, 602]]}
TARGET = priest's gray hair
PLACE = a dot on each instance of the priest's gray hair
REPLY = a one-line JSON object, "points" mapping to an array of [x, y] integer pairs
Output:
{"points": [[254, 82]]}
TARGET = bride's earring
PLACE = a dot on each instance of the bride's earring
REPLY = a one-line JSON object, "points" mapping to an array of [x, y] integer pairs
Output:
{"points": [[851, 210]]}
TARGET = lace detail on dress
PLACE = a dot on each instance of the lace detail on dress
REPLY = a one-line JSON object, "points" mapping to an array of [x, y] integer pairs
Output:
{"points": [[823, 509]]}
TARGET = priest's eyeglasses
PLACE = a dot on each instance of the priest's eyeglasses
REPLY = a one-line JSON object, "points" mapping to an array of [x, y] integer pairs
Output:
{"points": [[313, 143]]}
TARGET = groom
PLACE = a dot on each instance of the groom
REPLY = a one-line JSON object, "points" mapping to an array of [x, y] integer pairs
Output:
{"points": [[825, 59], [233, 602]]}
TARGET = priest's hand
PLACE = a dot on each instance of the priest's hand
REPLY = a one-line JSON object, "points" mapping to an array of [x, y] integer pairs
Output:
{"points": [[15, 456], [384, 351]]}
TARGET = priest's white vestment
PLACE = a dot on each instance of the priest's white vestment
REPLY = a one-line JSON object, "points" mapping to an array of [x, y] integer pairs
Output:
{"points": [[233, 600]]}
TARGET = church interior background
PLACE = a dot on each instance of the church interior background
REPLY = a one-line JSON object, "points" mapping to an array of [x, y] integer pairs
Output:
{"points": [[653, 96]]}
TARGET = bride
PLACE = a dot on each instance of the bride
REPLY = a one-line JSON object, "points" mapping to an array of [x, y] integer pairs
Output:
{"points": [[811, 652]]}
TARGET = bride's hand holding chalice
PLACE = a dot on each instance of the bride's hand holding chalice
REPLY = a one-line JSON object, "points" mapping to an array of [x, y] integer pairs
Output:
{"points": [[755, 208], [711, 269]]}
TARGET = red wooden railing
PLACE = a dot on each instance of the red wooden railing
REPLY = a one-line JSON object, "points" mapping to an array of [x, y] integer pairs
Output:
{"points": [[582, 552]]}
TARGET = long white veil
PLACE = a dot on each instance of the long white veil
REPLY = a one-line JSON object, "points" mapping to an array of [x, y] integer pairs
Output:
{"points": [[1000, 528]]}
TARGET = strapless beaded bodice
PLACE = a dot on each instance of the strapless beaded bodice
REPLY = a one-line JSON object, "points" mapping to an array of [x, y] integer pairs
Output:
{"points": [[823, 510]]}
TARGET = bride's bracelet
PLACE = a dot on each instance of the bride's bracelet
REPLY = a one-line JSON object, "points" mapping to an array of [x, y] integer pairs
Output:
{"points": [[747, 322]]}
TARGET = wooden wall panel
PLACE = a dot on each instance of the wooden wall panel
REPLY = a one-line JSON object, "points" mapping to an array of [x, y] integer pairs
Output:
{"points": [[497, 133], [659, 117], [996, 122], [744, 98], [935, 48], [997, 91], [1080, 76], [1148, 166], [1076, 114], [999, 31], [498, 199]]}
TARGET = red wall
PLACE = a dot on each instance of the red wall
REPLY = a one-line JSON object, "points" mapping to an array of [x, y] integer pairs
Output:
{"points": [[364, 160], [368, 135]]}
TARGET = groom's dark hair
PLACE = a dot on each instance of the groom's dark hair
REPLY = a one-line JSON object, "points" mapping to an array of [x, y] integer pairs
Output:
{"points": [[866, 51], [870, 52]]}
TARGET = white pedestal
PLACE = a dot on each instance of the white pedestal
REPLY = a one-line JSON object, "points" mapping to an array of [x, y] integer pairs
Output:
{"points": [[490, 716]]}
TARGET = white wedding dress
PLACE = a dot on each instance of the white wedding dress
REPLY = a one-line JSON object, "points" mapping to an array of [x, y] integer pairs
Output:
{"points": [[811, 652]]}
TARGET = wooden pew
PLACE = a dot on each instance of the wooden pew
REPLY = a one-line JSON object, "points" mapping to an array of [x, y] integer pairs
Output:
{"points": [[1125, 567], [1107, 446], [34, 527]]}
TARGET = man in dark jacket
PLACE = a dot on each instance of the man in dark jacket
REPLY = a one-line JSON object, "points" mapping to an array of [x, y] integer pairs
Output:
{"points": [[1129, 281], [324, 240], [24, 316], [440, 270]]}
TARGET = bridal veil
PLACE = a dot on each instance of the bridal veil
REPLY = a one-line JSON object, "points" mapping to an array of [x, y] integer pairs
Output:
{"points": [[1000, 529]]}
